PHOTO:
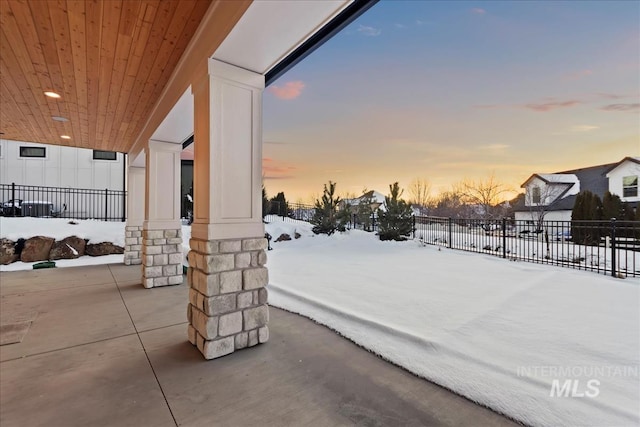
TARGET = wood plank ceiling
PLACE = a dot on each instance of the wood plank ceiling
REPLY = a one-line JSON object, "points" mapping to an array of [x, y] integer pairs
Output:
{"points": [[108, 59]]}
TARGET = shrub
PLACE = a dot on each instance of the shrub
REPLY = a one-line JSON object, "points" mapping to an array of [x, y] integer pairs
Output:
{"points": [[396, 221], [325, 219], [587, 207], [364, 212]]}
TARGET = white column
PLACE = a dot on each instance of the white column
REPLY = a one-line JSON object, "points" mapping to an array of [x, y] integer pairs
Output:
{"points": [[162, 232], [135, 215], [162, 196], [227, 297], [227, 153]]}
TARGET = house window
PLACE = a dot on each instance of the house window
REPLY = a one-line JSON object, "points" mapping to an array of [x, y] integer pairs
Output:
{"points": [[630, 186], [40, 152], [104, 155], [535, 195]]}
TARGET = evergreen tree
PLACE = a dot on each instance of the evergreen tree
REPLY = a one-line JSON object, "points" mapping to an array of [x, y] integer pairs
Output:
{"points": [[396, 220], [279, 205], [265, 202], [612, 207], [324, 218], [364, 211], [586, 209], [343, 217]]}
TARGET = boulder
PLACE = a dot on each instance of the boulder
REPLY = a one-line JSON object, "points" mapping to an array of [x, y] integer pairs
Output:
{"points": [[283, 237], [104, 248], [69, 248], [36, 249], [8, 252], [297, 235]]}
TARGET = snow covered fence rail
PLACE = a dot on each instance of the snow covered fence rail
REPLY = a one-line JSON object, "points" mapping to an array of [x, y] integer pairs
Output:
{"points": [[605, 246]]}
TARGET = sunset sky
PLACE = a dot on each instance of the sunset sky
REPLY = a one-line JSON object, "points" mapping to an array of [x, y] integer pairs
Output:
{"points": [[453, 90]]}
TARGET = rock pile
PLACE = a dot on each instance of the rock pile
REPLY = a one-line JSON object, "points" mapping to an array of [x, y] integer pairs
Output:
{"points": [[41, 248]]}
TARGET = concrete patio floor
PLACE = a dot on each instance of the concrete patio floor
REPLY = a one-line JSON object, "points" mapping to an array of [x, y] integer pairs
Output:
{"points": [[103, 351]]}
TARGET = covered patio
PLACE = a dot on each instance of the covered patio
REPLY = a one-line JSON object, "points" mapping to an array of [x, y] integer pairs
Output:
{"points": [[102, 350]]}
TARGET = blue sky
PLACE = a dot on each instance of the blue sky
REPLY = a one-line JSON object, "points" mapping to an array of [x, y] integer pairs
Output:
{"points": [[454, 90]]}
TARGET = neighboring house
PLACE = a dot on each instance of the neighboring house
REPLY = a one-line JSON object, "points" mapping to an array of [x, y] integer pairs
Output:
{"points": [[375, 198], [32, 166], [43, 165], [550, 197], [29, 163]]}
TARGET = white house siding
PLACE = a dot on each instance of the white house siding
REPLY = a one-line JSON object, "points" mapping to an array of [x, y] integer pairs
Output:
{"points": [[62, 167], [549, 216], [626, 168], [553, 221], [65, 167], [548, 193]]}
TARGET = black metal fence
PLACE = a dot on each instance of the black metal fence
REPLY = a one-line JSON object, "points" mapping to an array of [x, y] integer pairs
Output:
{"points": [[78, 203], [607, 247], [291, 211]]}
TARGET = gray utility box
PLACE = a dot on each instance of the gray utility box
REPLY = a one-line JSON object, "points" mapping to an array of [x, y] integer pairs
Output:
{"points": [[37, 208]]}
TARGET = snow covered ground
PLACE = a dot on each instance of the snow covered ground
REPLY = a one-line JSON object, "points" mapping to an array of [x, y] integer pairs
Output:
{"points": [[496, 331], [505, 334]]}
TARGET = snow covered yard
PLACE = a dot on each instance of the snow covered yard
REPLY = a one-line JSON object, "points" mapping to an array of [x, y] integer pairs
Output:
{"points": [[497, 331], [505, 334]]}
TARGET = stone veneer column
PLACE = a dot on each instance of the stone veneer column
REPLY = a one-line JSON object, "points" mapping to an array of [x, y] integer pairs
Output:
{"points": [[135, 216], [227, 275], [162, 230], [228, 296]]}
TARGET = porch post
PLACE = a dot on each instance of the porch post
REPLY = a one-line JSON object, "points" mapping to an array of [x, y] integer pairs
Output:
{"points": [[227, 297], [135, 216], [161, 231]]}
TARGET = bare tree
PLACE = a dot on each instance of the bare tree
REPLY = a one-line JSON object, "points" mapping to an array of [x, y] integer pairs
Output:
{"points": [[539, 200], [420, 192], [484, 194], [449, 204]]}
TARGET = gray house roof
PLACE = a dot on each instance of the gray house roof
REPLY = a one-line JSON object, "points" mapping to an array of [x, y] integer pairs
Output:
{"points": [[591, 179]]}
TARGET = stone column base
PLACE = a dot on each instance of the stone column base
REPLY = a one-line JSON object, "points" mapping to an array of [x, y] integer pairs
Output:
{"points": [[228, 308], [161, 257], [132, 245]]}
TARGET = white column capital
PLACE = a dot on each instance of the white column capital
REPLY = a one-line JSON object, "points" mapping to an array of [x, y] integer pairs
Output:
{"points": [[157, 145], [224, 71]]}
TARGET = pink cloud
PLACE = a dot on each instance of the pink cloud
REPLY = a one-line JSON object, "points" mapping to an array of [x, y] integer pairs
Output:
{"points": [[622, 107], [478, 11], [579, 74], [610, 95], [272, 169], [548, 106], [290, 90]]}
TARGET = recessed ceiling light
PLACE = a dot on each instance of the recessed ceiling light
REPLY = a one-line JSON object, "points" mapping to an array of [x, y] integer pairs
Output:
{"points": [[65, 137], [52, 94], [59, 119]]}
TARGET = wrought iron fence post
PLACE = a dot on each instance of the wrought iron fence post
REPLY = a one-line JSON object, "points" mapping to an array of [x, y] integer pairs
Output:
{"points": [[450, 232], [124, 206], [413, 226], [613, 247], [504, 237], [13, 198], [106, 203]]}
